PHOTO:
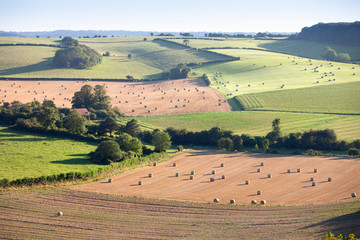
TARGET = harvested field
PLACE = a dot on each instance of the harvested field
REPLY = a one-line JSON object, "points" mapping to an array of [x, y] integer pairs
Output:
{"points": [[294, 188], [32, 214], [132, 98]]}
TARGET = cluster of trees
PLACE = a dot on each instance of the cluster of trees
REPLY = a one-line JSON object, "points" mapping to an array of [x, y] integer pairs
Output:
{"points": [[75, 55], [226, 140], [91, 98], [330, 54], [241, 35], [338, 33], [180, 71]]}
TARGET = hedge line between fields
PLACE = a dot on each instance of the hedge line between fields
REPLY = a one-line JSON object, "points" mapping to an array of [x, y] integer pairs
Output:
{"points": [[32, 44], [77, 79], [72, 176]]}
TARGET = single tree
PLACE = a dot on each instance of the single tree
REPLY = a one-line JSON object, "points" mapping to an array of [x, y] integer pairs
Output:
{"points": [[265, 144], [129, 56], [107, 152], [48, 103], [132, 128], [129, 143], [328, 54], [225, 144], [47, 117], [75, 123], [161, 140], [109, 125], [186, 42], [238, 142], [275, 134], [83, 98], [343, 57]]}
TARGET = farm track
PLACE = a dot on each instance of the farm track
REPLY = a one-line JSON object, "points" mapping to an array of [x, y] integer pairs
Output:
{"points": [[31, 214]]}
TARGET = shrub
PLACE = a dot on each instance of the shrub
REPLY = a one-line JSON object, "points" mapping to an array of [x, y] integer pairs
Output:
{"points": [[225, 144], [313, 152], [353, 152], [180, 148]]}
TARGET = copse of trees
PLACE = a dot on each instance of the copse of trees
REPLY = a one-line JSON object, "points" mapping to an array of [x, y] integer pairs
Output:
{"points": [[330, 54], [338, 33], [180, 71], [75, 55], [91, 97]]}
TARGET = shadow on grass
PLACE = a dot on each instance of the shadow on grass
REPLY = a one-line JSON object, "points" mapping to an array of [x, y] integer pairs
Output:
{"points": [[45, 65], [74, 161], [345, 224]]}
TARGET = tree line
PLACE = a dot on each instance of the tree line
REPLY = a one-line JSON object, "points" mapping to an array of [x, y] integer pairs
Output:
{"points": [[337, 33]]}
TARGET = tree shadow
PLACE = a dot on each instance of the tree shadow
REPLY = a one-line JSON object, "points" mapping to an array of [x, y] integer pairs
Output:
{"points": [[44, 65], [73, 161], [345, 224]]}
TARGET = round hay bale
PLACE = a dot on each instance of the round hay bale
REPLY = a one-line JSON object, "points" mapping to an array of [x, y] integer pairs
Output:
{"points": [[139, 182], [263, 202], [174, 164], [329, 179], [353, 194], [312, 179], [155, 164], [269, 175], [177, 174], [262, 164], [223, 176], [221, 164], [247, 182], [258, 170], [298, 170], [213, 172], [254, 202], [192, 172], [259, 192], [60, 214], [232, 201], [315, 170], [191, 177], [289, 171], [212, 179], [216, 200], [109, 180], [150, 175], [313, 184]]}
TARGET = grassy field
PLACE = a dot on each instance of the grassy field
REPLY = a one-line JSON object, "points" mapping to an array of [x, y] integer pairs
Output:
{"points": [[148, 60], [296, 47], [337, 98], [31, 214], [31, 155], [258, 123]]}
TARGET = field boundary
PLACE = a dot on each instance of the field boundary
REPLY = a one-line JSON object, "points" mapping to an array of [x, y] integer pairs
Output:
{"points": [[31, 44]]}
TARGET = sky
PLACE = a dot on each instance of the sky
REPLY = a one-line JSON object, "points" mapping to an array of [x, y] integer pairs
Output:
{"points": [[174, 15]]}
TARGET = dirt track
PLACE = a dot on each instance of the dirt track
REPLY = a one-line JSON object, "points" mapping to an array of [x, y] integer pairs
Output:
{"points": [[132, 98], [282, 188]]}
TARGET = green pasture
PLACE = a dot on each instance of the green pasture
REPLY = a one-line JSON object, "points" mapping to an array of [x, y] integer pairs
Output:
{"points": [[31, 155], [334, 98], [258, 123]]}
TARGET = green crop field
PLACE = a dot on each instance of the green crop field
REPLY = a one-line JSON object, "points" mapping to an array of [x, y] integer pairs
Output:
{"points": [[337, 98], [31, 155], [258, 123]]}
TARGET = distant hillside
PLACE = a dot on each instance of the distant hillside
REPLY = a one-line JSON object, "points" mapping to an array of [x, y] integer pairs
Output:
{"points": [[338, 33]]}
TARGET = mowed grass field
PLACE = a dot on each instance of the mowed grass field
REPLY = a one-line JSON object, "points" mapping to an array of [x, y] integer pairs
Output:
{"points": [[31, 214], [337, 98], [148, 59], [32, 155], [258, 123]]}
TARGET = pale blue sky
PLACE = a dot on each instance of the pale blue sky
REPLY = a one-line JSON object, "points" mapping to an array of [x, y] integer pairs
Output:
{"points": [[174, 15]]}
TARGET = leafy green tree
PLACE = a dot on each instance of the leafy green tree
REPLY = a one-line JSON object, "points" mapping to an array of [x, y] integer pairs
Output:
{"points": [[107, 54], [129, 143], [275, 134], [181, 71], [69, 41], [238, 142], [80, 57], [161, 140], [75, 123], [83, 98], [343, 57], [129, 56], [47, 117], [48, 103], [353, 152], [225, 144], [265, 144], [100, 99], [107, 152], [109, 125], [186, 42], [328, 54], [132, 128]]}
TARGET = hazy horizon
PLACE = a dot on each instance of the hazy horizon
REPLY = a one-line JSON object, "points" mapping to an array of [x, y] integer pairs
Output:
{"points": [[173, 15]]}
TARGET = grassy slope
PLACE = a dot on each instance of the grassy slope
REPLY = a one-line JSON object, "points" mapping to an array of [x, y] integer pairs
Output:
{"points": [[337, 98], [258, 123], [31, 214], [148, 60], [30, 155]]}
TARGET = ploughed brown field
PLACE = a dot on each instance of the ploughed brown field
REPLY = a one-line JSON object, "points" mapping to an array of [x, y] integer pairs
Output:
{"points": [[293, 188], [132, 98]]}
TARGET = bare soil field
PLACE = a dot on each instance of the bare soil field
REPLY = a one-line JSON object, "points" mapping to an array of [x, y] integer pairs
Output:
{"points": [[32, 214], [283, 187], [132, 98]]}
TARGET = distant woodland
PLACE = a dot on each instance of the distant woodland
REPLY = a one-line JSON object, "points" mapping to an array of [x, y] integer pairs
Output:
{"points": [[337, 33]]}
